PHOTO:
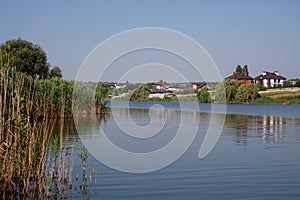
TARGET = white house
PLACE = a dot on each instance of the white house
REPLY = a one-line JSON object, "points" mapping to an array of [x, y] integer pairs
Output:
{"points": [[269, 79]]}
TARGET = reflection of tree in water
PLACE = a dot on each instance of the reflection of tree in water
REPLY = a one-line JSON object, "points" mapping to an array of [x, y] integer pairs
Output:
{"points": [[239, 127], [267, 129]]}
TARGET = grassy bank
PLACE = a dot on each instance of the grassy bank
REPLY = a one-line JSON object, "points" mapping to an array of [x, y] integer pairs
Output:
{"points": [[279, 96]]}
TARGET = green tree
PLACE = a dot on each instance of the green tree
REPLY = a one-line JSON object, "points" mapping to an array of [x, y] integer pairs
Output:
{"points": [[140, 94], [55, 72], [231, 87], [245, 69], [226, 90], [246, 92], [203, 96], [103, 91], [239, 69], [28, 58], [297, 84], [220, 95]]}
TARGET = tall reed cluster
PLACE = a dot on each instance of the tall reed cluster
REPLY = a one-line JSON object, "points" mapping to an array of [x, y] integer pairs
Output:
{"points": [[28, 107]]}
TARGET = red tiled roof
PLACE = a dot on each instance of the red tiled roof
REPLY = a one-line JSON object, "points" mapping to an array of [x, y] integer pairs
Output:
{"points": [[239, 76]]}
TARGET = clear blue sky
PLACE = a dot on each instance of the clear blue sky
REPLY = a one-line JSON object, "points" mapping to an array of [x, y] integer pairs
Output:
{"points": [[264, 34]]}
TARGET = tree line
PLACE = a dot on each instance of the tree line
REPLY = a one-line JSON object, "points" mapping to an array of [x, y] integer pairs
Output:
{"points": [[232, 91]]}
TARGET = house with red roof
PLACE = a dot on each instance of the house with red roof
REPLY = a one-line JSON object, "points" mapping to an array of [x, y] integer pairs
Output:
{"points": [[242, 77], [200, 86]]}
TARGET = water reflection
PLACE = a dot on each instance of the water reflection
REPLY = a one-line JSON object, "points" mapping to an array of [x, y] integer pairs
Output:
{"points": [[273, 129], [267, 129], [88, 177]]}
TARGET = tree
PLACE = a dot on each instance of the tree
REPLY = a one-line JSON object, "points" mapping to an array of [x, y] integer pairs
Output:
{"points": [[245, 69], [297, 84], [55, 72], [226, 90], [231, 87], [246, 92], [103, 91], [220, 95], [28, 58], [203, 96], [140, 94], [239, 69]]}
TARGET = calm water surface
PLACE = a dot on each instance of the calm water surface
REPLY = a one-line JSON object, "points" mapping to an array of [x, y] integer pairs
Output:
{"points": [[256, 157]]}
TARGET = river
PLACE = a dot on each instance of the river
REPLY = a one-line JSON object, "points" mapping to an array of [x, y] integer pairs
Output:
{"points": [[257, 155]]}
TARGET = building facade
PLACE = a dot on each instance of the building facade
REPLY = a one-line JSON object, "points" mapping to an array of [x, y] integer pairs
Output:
{"points": [[270, 79]]}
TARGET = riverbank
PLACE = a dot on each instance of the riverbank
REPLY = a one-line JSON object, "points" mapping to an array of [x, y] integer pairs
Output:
{"points": [[279, 96]]}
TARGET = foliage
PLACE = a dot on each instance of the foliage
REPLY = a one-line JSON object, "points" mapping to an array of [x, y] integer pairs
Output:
{"points": [[280, 100], [246, 92], [103, 91], [29, 58], [140, 94], [235, 92], [203, 96], [231, 87], [220, 95], [297, 84], [28, 108], [239, 69], [245, 69], [25, 126], [261, 88], [55, 72]]}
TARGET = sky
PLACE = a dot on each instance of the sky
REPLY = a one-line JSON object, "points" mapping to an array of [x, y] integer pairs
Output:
{"points": [[263, 34]]}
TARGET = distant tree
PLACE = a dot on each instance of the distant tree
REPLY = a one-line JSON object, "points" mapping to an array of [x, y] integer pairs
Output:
{"points": [[297, 84], [55, 72], [245, 69], [28, 58], [203, 96], [140, 94], [103, 90], [239, 69]]}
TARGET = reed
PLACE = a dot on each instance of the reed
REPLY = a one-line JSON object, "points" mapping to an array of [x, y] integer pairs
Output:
{"points": [[28, 108]]}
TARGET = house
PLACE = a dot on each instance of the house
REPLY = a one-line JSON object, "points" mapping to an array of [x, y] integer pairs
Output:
{"points": [[269, 79], [200, 86], [160, 90], [241, 77], [121, 85], [160, 85]]}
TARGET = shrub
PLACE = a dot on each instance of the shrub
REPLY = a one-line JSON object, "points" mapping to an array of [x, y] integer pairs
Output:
{"points": [[203, 96]]}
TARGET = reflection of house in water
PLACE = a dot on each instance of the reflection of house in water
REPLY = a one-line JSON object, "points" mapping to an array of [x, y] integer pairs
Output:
{"points": [[272, 129], [267, 129]]}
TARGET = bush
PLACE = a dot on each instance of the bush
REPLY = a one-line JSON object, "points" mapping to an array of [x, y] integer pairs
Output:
{"points": [[203, 96], [140, 94]]}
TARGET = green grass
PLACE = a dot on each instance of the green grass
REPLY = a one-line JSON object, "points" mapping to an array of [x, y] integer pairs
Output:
{"points": [[295, 100]]}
